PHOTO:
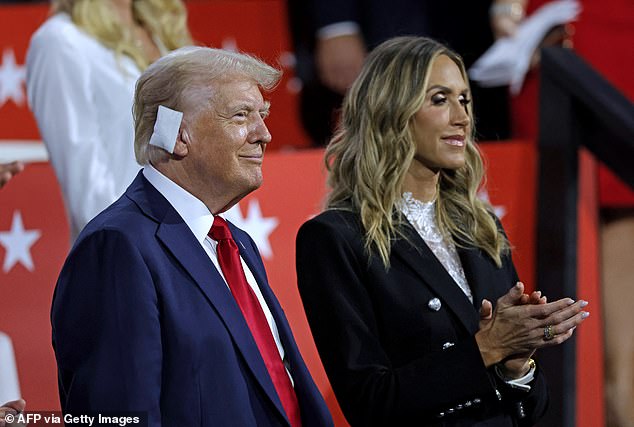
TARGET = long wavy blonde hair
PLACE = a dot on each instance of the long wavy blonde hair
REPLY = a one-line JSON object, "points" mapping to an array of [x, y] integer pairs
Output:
{"points": [[165, 19], [369, 155]]}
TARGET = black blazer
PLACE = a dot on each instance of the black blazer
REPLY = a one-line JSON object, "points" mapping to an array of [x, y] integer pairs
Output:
{"points": [[391, 358]]}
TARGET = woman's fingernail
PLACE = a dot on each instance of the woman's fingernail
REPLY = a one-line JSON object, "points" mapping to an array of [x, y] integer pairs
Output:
{"points": [[585, 314], [583, 303]]}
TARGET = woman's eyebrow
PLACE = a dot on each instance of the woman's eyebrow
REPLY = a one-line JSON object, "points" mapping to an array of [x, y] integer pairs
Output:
{"points": [[446, 89]]}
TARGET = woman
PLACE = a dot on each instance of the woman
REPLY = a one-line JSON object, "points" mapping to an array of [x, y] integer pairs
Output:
{"points": [[82, 65], [397, 275]]}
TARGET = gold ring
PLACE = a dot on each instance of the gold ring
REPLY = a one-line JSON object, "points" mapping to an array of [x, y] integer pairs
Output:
{"points": [[549, 333]]}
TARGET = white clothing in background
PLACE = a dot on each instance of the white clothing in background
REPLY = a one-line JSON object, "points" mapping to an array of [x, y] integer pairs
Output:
{"points": [[9, 386], [81, 95]]}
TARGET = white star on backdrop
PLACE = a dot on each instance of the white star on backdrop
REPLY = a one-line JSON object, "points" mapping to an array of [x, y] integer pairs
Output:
{"points": [[12, 78], [17, 243], [255, 225], [499, 210]]}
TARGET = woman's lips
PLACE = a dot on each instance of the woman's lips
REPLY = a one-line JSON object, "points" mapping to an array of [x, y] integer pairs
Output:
{"points": [[456, 140]]}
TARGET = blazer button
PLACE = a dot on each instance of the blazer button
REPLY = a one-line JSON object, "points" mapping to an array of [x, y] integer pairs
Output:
{"points": [[440, 415], [447, 345], [521, 413], [434, 304]]}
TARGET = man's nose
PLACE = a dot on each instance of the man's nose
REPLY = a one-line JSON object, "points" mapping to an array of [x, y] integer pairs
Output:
{"points": [[259, 133]]}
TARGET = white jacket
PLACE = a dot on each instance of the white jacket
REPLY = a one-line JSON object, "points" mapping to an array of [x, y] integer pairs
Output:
{"points": [[81, 95]]}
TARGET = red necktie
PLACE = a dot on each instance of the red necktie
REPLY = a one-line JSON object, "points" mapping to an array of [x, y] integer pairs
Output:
{"points": [[231, 266]]}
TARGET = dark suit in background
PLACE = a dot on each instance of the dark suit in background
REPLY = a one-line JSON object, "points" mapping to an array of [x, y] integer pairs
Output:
{"points": [[461, 25], [391, 358]]}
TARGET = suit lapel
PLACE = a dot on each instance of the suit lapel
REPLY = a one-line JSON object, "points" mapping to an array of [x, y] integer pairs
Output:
{"points": [[301, 376], [253, 261], [416, 254], [176, 236]]}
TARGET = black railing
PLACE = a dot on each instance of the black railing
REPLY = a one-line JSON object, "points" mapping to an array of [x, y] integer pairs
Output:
{"points": [[578, 108]]}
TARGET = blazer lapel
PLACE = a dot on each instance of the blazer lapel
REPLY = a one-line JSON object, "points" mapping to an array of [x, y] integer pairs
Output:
{"points": [[181, 243], [478, 274], [416, 254]]}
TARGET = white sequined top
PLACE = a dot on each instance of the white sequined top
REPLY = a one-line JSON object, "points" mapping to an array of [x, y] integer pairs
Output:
{"points": [[422, 216]]}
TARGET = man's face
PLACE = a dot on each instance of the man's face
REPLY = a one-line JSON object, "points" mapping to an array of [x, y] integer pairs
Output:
{"points": [[228, 138]]}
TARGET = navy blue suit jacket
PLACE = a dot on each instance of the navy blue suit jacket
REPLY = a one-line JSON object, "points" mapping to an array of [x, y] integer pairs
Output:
{"points": [[142, 322]]}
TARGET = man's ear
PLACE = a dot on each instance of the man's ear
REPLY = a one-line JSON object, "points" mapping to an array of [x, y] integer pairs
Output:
{"points": [[183, 142]]}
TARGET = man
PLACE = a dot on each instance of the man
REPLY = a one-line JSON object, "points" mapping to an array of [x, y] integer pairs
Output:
{"points": [[151, 316]]}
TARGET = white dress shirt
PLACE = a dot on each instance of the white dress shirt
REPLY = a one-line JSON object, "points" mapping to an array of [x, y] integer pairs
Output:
{"points": [[81, 94], [199, 220]]}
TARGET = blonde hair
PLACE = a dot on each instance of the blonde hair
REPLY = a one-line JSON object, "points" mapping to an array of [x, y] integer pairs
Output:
{"points": [[165, 19], [369, 155], [174, 80]]}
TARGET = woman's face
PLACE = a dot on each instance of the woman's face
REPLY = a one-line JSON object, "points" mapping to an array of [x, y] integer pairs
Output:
{"points": [[442, 126]]}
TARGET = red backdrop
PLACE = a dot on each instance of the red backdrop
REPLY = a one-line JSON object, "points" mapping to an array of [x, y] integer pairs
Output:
{"points": [[293, 190]]}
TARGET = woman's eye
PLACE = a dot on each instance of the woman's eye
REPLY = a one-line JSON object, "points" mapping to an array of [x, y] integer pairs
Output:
{"points": [[464, 100], [438, 99]]}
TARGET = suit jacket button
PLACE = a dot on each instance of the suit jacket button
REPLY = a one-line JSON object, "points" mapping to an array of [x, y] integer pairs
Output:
{"points": [[521, 413], [446, 345], [476, 401], [434, 304], [440, 415]]}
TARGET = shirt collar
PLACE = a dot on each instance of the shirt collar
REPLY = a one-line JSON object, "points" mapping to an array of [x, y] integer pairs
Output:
{"points": [[193, 211]]}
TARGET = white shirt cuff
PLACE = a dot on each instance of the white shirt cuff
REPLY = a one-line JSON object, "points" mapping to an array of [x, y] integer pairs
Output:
{"points": [[519, 383], [338, 29]]}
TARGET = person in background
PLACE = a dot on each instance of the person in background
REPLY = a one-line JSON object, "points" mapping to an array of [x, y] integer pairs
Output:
{"points": [[332, 38], [8, 171], [399, 275], [616, 207], [161, 300], [82, 64]]}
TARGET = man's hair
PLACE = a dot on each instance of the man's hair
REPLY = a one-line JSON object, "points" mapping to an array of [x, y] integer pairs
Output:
{"points": [[181, 75]]}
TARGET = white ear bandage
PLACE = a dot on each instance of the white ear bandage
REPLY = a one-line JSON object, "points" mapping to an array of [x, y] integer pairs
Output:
{"points": [[168, 122]]}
